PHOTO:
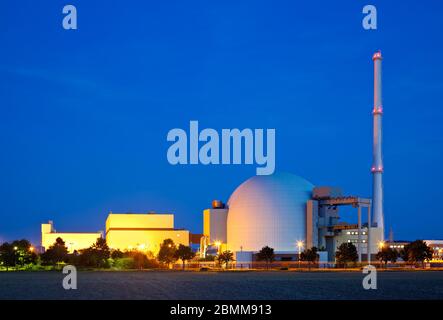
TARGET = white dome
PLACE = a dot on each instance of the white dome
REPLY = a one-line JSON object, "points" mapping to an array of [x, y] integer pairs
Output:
{"points": [[268, 211]]}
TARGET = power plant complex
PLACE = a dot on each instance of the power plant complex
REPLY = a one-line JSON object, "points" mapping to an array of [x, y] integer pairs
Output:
{"points": [[282, 211]]}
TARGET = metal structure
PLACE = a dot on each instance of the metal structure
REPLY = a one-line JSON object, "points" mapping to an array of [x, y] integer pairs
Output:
{"points": [[358, 203], [377, 164]]}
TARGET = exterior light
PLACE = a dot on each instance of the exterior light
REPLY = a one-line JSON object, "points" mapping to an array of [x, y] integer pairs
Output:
{"points": [[15, 248], [31, 249], [299, 245], [381, 244]]}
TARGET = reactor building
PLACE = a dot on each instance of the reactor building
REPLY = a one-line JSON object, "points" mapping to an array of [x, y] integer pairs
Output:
{"points": [[288, 213], [282, 211]]}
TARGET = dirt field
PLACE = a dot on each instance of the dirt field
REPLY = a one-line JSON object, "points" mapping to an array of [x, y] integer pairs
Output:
{"points": [[221, 285]]}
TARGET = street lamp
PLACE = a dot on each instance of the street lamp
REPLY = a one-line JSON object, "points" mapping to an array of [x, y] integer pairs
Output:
{"points": [[299, 245]]}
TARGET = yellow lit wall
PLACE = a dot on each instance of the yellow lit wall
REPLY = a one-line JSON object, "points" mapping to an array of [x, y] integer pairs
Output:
{"points": [[139, 221], [144, 232], [144, 240], [214, 224], [73, 241]]}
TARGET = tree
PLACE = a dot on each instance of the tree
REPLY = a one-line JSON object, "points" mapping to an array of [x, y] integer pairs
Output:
{"points": [[225, 257], [404, 254], [24, 253], [387, 254], [346, 253], [102, 252], [184, 253], [56, 253], [117, 254], [140, 259], [166, 254], [266, 254], [310, 255], [416, 252], [18, 253], [7, 255], [96, 255]]}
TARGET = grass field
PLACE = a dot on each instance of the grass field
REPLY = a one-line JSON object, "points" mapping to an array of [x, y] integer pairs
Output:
{"points": [[221, 285]]}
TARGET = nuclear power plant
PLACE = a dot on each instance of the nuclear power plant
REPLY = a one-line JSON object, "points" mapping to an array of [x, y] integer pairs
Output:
{"points": [[288, 213], [283, 211]]}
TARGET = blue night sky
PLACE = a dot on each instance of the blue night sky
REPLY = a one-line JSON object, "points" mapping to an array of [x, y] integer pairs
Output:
{"points": [[84, 114]]}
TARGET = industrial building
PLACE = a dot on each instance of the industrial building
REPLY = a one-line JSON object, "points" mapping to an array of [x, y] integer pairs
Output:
{"points": [[288, 213], [282, 211], [144, 232], [124, 231], [74, 241]]}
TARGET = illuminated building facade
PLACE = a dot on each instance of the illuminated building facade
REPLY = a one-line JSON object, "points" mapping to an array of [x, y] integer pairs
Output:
{"points": [[437, 247], [74, 241], [142, 232], [289, 214], [214, 227], [125, 232]]}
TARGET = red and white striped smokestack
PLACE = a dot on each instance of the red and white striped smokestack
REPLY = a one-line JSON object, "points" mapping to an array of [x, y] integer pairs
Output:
{"points": [[377, 160]]}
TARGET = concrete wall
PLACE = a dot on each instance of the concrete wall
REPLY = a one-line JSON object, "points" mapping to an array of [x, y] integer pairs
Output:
{"points": [[352, 236], [311, 224], [144, 240], [73, 241], [139, 221], [215, 224]]}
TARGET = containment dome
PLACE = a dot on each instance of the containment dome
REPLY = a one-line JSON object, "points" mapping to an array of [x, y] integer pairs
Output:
{"points": [[268, 211]]}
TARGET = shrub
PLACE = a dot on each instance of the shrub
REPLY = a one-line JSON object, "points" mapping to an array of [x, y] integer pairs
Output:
{"points": [[123, 263]]}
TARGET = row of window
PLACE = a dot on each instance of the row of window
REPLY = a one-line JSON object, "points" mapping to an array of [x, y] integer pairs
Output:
{"points": [[354, 233], [356, 241]]}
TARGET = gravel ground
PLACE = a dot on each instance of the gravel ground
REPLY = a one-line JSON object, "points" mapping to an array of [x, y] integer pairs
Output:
{"points": [[221, 285]]}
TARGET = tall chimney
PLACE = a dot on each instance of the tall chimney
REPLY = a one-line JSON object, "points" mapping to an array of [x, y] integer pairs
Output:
{"points": [[377, 159]]}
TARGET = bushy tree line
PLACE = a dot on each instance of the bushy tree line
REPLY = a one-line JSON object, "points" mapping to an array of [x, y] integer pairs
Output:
{"points": [[20, 253], [416, 252], [169, 253]]}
